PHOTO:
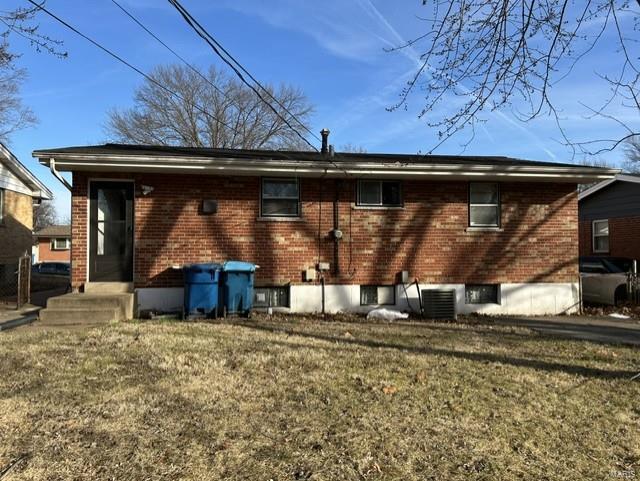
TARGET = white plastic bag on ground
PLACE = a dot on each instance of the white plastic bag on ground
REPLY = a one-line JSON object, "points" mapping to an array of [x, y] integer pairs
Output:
{"points": [[386, 314], [619, 316]]}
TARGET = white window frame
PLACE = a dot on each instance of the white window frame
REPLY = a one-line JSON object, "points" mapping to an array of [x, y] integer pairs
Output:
{"points": [[378, 287], [497, 205], [380, 203], [56, 247], [593, 236], [1, 206], [498, 300], [298, 213]]}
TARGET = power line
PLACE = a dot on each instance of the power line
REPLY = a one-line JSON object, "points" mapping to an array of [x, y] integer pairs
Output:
{"points": [[183, 11], [176, 54], [215, 45], [131, 66]]}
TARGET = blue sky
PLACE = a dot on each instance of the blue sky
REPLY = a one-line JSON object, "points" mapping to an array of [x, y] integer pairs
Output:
{"points": [[332, 50]]}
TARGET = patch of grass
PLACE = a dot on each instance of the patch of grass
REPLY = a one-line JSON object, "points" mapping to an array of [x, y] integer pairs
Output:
{"points": [[296, 398]]}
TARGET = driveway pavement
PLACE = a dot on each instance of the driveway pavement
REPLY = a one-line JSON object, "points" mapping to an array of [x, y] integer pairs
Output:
{"points": [[596, 329]]}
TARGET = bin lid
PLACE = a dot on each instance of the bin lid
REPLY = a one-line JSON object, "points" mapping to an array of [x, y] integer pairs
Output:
{"points": [[207, 266], [239, 266]]}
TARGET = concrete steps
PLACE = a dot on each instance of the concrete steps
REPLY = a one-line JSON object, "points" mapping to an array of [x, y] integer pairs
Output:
{"points": [[88, 307]]}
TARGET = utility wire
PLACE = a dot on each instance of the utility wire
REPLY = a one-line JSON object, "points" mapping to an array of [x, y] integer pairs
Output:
{"points": [[207, 37], [183, 10], [132, 67], [176, 54]]}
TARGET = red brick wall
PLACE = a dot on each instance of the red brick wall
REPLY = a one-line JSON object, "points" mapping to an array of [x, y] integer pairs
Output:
{"points": [[624, 238], [428, 237], [45, 254]]}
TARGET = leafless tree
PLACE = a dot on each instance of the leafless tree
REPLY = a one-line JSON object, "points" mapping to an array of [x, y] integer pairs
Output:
{"points": [[210, 110], [18, 22], [632, 151], [44, 215], [491, 54]]}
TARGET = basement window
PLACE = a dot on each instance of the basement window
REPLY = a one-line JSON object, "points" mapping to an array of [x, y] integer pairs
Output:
{"points": [[484, 204], [280, 198], [600, 232], [379, 193], [60, 244], [271, 296], [377, 295], [482, 293]]}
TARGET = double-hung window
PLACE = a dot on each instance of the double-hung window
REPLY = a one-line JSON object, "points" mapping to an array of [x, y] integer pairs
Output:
{"points": [[379, 193], [60, 244], [280, 197], [484, 204], [600, 232]]}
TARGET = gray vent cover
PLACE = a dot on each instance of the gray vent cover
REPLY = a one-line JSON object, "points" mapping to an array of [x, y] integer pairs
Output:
{"points": [[439, 303]]}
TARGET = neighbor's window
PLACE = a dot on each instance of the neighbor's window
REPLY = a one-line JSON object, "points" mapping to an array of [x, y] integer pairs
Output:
{"points": [[484, 204], [271, 296], [60, 244], [377, 295], [482, 294], [1, 206], [280, 198], [383, 193], [600, 230]]}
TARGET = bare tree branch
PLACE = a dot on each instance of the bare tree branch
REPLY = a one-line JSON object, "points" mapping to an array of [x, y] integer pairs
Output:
{"points": [[497, 53]]}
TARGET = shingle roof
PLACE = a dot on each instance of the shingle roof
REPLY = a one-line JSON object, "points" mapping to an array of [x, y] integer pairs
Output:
{"points": [[278, 155], [54, 231]]}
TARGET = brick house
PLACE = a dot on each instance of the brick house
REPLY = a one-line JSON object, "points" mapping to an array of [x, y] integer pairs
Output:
{"points": [[502, 232], [53, 244], [610, 218], [19, 190]]}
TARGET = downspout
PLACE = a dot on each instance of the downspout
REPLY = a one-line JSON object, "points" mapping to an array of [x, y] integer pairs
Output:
{"points": [[57, 175], [337, 234]]}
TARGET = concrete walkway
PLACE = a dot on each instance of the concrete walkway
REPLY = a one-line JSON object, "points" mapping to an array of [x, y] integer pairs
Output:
{"points": [[10, 318], [596, 329]]}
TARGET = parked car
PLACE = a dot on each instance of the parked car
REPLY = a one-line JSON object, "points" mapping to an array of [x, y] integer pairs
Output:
{"points": [[604, 281], [52, 268]]}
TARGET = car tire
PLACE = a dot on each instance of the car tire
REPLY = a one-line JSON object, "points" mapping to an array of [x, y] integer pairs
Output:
{"points": [[620, 295]]}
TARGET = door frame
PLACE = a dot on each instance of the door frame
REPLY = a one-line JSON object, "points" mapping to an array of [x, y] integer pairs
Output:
{"points": [[133, 223]]}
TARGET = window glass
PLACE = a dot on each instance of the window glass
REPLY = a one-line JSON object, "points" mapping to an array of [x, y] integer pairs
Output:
{"points": [[484, 204], [368, 295], [377, 295], [280, 198], [370, 193], [600, 231], [379, 193], [1, 206], [482, 294], [271, 296]]}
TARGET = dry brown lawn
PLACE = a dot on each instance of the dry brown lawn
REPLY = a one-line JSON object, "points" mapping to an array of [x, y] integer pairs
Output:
{"points": [[291, 399]]}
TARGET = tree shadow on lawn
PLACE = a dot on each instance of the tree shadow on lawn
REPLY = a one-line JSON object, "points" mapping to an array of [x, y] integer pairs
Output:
{"points": [[483, 357]]}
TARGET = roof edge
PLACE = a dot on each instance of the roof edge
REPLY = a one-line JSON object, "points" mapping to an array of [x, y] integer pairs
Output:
{"points": [[601, 185], [25, 175]]}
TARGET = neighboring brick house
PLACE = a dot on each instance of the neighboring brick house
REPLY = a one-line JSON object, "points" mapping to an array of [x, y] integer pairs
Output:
{"points": [[610, 218], [19, 190], [53, 244], [502, 232]]}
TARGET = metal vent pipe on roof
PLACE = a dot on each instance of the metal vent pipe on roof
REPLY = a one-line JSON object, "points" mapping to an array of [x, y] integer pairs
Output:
{"points": [[325, 140]]}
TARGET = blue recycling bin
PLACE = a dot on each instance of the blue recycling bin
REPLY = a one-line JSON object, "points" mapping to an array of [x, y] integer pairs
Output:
{"points": [[237, 297], [201, 294]]}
